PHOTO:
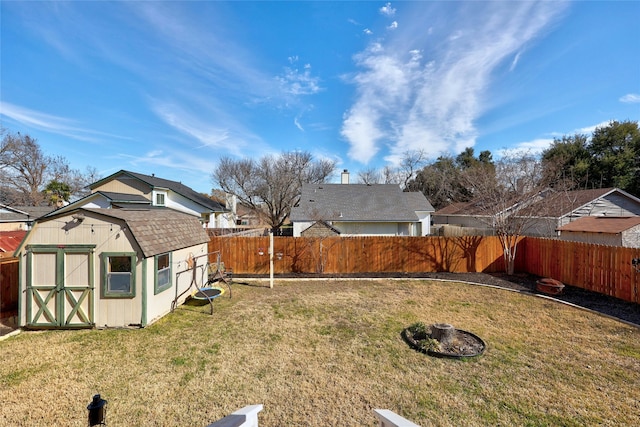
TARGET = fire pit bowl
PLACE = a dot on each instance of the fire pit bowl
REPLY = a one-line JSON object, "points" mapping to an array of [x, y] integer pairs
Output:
{"points": [[443, 340]]}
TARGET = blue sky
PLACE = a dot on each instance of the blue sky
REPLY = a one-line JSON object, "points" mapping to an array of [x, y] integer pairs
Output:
{"points": [[170, 87]]}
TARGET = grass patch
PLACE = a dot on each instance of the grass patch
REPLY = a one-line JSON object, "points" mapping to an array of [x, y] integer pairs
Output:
{"points": [[327, 353]]}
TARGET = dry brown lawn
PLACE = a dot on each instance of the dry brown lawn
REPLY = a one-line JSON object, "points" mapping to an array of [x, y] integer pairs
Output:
{"points": [[326, 353]]}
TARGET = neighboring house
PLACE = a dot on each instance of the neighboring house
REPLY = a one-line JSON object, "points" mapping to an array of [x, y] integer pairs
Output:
{"points": [[603, 230], [14, 218], [248, 218], [131, 189], [362, 209], [95, 267], [9, 242], [549, 211]]}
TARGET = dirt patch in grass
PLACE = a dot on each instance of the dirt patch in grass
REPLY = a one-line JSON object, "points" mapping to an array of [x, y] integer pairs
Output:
{"points": [[318, 353]]}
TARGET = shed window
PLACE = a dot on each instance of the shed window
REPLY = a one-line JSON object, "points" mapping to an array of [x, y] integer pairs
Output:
{"points": [[163, 272], [119, 277]]}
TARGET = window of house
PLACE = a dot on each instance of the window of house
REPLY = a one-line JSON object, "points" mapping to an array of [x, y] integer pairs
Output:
{"points": [[163, 272], [119, 275], [160, 199]]}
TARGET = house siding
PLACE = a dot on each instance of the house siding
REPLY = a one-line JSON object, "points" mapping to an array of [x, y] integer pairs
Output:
{"points": [[631, 237], [127, 185], [372, 228], [614, 204]]}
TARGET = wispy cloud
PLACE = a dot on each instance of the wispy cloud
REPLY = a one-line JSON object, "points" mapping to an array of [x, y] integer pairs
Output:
{"points": [[205, 127], [630, 98], [405, 101], [51, 123]]}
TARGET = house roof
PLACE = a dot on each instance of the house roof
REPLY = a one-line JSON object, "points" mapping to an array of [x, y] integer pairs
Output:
{"points": [[457, 208], [602, 224], [22, 213], [124, 197], [556, 204], [10, 240], [552, 204], [358, 202], [161, 183]]}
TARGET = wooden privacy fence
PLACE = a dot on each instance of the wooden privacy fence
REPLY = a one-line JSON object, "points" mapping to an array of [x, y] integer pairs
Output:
{"points": [[608, 270], [604, 269], [352, 255], [8, 286]]}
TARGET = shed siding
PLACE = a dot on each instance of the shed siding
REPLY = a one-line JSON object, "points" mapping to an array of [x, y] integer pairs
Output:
{"points": [[160, 304], [107, 237]]}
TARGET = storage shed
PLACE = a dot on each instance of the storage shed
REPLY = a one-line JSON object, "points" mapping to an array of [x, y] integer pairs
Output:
{"points": [[93, 267]]}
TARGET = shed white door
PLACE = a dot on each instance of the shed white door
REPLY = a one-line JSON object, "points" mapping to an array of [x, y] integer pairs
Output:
{"points": [[60, 287]]}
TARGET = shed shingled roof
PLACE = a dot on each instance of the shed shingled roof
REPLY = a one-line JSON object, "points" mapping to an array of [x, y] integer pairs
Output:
{"points": [[158, 230], [358, 202]]}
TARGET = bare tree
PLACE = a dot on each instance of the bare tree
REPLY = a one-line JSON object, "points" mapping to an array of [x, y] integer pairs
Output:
{"points": [[504, 200], [271, 185], [369, 176], [24, 167], [412, 161], [27, 171]]}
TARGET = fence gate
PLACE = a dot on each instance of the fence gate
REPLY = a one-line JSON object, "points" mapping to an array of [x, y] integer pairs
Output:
{"points": [[60, 287]]}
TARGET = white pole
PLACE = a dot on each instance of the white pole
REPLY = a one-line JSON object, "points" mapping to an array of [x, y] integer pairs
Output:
{"points": [[271, 259]]}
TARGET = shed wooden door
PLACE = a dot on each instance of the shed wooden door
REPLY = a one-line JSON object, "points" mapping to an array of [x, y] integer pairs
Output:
{"points": [[60, 287]]}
